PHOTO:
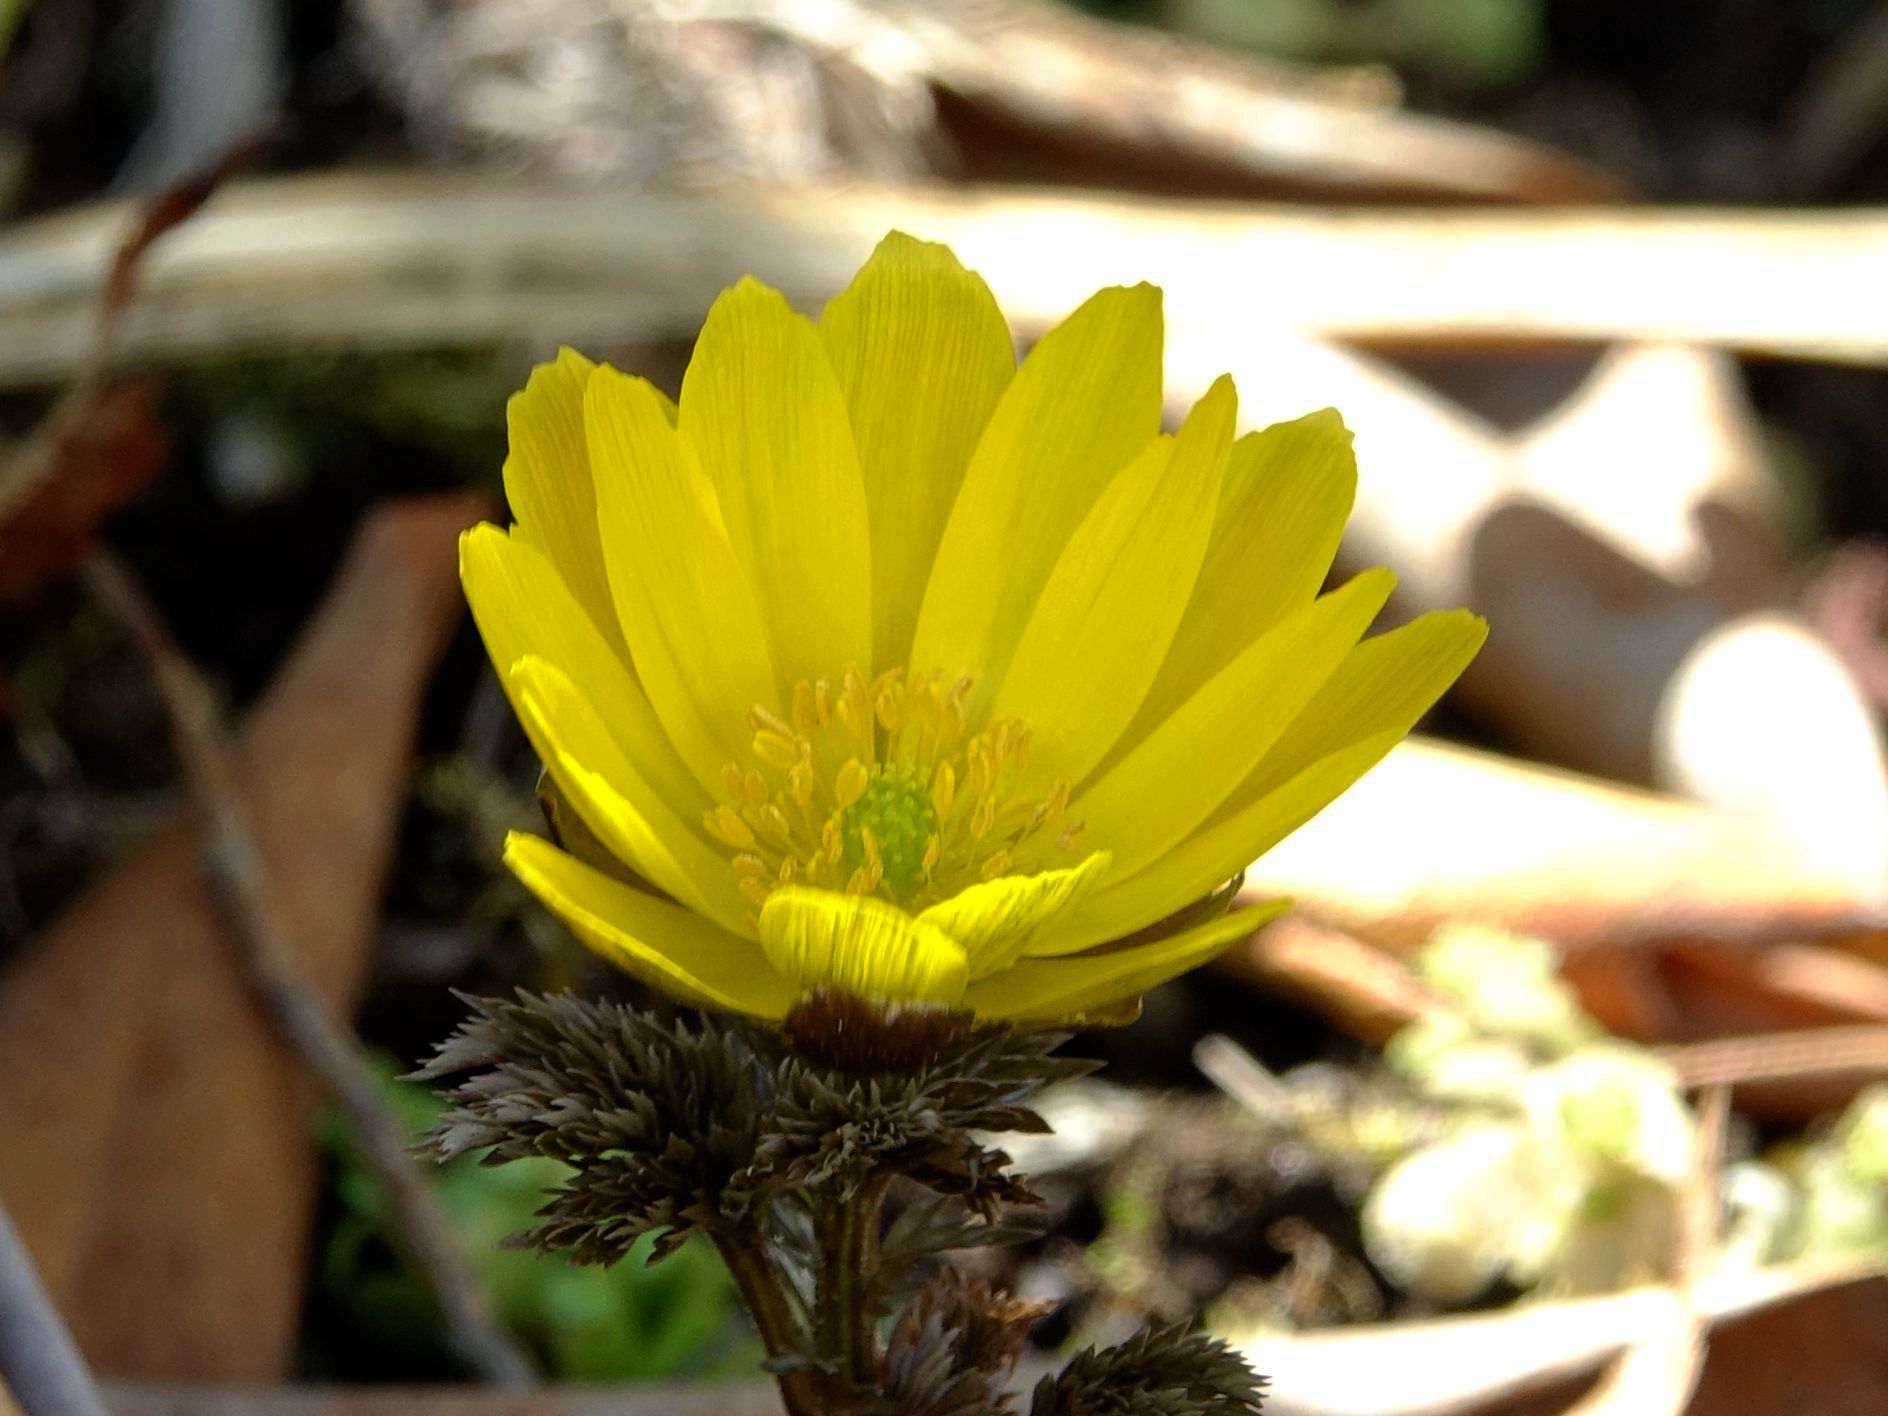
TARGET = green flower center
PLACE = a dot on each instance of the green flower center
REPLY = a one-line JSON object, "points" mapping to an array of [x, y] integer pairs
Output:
{"points": [[896, 812], [877, 787]]}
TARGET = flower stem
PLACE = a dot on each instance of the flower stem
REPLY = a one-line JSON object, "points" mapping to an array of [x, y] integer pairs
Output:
{"points": [[849, 1240], [754, 1275], [865, 1264]]}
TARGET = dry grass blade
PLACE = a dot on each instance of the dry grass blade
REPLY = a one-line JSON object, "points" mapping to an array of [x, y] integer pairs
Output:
{"points": [[1540, 851], [392, 260], [1243, 1078], [1454, 1365]]}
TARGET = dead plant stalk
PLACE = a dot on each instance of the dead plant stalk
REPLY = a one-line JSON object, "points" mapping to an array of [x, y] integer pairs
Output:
{"points": [[239, 879]]}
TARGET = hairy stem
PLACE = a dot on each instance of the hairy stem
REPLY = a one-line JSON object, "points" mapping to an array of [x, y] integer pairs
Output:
{"points": [[760, 1287], [833, 1289], [849, 1239], [865, 1265]]}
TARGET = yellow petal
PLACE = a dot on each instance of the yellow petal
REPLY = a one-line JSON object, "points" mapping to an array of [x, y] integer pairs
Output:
{"points": [[1385, 684], [1212, 856], [1364, 709], [996, 920], [547, 483], [1067, 990], [923, 354], [1173, 779], [686, 605], [1286, 495], [1086, 400], [1097, 636], [615, 800], [767, 418], [678, 952], [522, 606], [861, 944]]}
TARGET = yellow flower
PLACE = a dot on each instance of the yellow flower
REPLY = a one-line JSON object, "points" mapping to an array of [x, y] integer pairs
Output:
{"points": [[900, 670]]}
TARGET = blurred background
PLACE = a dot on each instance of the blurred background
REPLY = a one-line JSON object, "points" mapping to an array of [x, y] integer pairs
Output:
{"points": [[1560, 1088]]}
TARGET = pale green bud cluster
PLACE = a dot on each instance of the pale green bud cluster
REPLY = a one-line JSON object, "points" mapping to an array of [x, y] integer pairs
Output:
{"points": [[1561, 1152]]}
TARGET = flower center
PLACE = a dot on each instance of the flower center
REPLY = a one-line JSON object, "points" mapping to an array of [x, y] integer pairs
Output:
{"points": [[878, 787], [897, 819]]}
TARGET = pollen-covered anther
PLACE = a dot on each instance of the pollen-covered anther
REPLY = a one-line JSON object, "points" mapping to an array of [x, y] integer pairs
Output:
{"points": [[777, 749], [943, 789], [724, 823], [874, 787]]}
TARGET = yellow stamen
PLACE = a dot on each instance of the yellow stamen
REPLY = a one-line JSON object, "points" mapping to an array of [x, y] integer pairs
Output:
{"points": [[875, 787], [727, 827], [851, 782], [943, 790], [764, 720], [776, 749], [806, 715]]}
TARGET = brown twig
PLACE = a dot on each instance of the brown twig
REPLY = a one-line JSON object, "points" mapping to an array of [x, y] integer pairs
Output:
{"points": [[239, 879], [39, 457], [237, 872], [1743, 925], [1762, 1057]]}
